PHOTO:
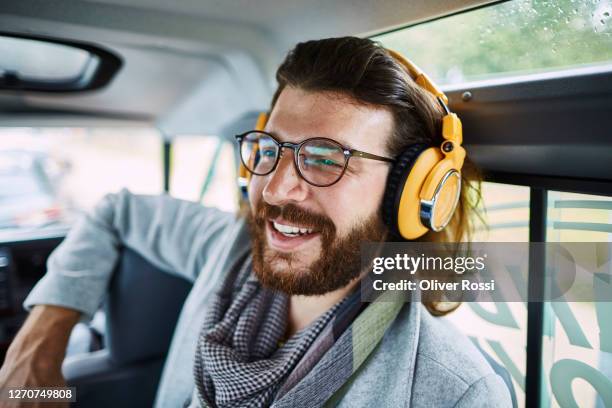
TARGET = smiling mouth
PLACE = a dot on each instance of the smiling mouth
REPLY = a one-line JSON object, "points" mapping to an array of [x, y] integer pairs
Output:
{"points": [[285, 237], [291, 230]]}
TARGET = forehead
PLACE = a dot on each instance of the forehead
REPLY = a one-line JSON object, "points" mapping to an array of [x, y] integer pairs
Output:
{"points": [[300, 114]]}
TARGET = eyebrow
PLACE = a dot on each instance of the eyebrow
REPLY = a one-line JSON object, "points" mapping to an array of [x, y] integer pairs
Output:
{"points": [[342, 142]]}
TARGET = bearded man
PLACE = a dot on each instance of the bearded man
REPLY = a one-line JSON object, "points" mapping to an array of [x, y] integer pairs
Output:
{"points": [[279, 322]]}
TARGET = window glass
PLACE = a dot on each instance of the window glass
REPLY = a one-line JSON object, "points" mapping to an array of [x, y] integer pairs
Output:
{"points": [[509, 38], [48, 175], [577, 349], [500, 328], [505, 212], [203, 170], [40, 60]]}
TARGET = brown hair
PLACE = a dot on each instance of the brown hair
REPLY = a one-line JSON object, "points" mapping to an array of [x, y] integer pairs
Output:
{"points": [[365, 71]]}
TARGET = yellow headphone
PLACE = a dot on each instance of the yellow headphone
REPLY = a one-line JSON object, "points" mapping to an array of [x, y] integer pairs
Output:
{"points": [[244, 176], [424, 184]]}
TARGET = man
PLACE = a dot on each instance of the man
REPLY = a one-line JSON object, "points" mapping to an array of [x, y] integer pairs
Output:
{"points": [[282, 323]]}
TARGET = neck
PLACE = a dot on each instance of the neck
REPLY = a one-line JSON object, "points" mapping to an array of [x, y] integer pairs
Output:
{"points": [[304, 310]]}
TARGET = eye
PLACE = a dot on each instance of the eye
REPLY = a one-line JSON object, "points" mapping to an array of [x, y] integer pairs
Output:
{"points": [[321, 162], [268, 153], [329, 162]]}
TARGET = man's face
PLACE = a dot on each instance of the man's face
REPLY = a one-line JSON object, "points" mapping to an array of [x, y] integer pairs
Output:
{"points": [[324, 254]]}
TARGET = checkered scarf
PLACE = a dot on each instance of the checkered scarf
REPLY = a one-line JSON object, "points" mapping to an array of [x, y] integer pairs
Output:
{"points": [[240, 358]]}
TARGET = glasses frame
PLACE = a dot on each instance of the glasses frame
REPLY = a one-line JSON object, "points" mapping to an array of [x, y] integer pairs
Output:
{"points": [[347, 151]]}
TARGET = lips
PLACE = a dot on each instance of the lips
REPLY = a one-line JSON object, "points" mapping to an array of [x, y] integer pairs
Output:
{"points": [[284, 236], [290, 230]]}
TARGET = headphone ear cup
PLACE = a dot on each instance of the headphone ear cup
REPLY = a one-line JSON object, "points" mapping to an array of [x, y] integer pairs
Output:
{"points": [[395, 185]]}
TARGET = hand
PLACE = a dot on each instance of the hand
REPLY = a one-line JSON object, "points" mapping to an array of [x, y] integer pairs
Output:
{"points": [[34, 358]]}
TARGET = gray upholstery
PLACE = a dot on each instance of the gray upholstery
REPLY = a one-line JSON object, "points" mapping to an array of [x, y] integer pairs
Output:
{"points": [[141, 311]]}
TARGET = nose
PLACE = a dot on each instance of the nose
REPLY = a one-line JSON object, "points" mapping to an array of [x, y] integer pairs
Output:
{"points": [[284, 184]]}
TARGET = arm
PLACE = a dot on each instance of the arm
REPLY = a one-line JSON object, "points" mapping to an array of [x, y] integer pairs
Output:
{"points": [[35, 357], [489, 391], [172, 234]]}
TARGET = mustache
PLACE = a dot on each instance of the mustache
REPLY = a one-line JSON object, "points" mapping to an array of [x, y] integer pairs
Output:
{"points": [[294, 214]]}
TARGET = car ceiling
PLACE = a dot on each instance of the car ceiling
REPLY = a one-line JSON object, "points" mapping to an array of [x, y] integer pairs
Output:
{"points": [[191, 66]]}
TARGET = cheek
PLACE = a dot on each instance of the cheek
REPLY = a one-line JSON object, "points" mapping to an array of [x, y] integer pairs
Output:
{"points": [[255, 189], [354, 201]]}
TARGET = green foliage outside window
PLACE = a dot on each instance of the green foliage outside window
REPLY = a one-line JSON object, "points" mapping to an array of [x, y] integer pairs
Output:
{"points": [[513, 37]]}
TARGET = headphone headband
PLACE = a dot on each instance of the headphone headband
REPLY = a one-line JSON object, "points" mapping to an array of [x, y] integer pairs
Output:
{"points": [[419, 77]]}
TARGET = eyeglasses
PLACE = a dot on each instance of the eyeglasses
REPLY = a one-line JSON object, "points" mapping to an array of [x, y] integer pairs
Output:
{"points": [[321, 162]]}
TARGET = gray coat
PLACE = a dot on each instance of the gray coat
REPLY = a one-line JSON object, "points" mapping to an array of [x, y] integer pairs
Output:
{"points": [[422, 361]]}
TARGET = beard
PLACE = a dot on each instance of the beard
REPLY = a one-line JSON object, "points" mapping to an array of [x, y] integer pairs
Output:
{"points": [[339, 261]]}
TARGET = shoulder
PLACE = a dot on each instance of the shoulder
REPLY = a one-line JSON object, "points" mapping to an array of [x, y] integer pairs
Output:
{"points": [[447, 360]]}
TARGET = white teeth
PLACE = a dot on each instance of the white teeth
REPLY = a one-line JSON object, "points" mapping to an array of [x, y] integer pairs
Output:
{"points": [[290, 230]]}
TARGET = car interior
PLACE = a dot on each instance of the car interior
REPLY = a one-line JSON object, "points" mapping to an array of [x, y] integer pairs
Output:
{"points": [[96, 95]]}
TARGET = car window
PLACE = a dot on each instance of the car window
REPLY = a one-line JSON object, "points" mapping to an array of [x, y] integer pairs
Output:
{"points": [[577, 351], [203, 169], [48, 175], [500, 328], [509, 38]]}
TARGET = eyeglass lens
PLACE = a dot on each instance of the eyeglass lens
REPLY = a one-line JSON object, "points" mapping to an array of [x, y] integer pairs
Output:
{"points": [[320, 161]]}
